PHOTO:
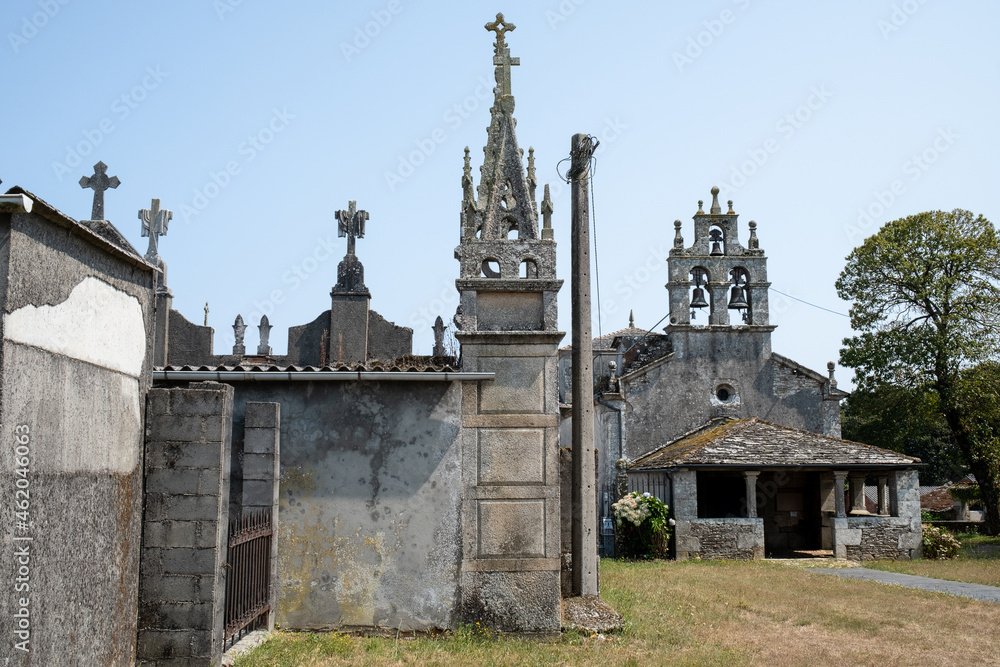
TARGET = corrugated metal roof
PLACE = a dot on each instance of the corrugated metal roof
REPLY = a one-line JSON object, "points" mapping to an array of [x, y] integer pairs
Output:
{"points": [[755, 443]]}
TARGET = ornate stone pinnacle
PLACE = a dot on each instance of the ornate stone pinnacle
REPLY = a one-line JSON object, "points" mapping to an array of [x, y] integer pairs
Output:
{"points": [[631, 320], [532, 181], [731, 211], [678, 239], [547, 215], [265, 332], [700, 204], [716, 209], [238, 330], [753, 243]]}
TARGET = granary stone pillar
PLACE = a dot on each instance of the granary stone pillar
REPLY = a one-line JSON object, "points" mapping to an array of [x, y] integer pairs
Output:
{"points": [[883, 494], [857, 484], [839, 477], [750, 477], [506, 324]]}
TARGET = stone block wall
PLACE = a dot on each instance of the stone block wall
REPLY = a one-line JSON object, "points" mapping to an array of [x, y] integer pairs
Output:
{"points": [[893, 537], [261, 472], [727, 539], [185, 528]]}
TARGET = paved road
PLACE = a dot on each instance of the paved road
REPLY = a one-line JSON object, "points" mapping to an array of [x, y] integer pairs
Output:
{"points": [[977, 591]]}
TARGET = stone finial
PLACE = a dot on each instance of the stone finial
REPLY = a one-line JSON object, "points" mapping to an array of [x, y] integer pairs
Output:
{"points": [[631, 321], [99, 182], [501, 57], [830, 368], [206, 313], [265, 333], [438, 337], [547, 215], [753, 243], [730, 211], [468, 195], [154, 225], [532, 181], [716, 209], [700, 204], [678, 239], [239, 349]]}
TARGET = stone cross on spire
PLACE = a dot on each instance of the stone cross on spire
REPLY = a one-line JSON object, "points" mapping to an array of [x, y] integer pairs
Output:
{"points": [[154, 225], [501, 57], [99, 182], [351, 224]]}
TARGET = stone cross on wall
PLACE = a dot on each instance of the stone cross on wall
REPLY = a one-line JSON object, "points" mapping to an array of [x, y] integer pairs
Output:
{"points": [[438, 337], [154, 225], [502, 58], [351, 224], [99, 182]]}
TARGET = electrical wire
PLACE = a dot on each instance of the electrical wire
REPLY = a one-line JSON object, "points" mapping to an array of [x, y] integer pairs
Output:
{"points": [[807, 303]]}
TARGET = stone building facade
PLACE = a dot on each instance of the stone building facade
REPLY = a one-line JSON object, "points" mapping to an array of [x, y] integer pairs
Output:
{"points": [[712, 362]]}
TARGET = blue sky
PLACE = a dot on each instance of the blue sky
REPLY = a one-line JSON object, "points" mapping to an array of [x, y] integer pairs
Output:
{"points": [[254, 122]]}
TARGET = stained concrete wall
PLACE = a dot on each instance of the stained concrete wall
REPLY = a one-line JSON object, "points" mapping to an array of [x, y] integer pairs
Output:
{"points": [[369, 531], [77, 326], [185, 528]]}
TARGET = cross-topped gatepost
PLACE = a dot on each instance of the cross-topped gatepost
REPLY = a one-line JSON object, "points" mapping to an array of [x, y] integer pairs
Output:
{"points": [[501, 57], [154, 225], [99, 182], [351, 224]]}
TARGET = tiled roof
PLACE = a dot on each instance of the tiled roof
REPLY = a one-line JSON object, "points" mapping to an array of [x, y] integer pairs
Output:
{"points": [[604, 342], [275, 368], [937, 500], [754, 442]]}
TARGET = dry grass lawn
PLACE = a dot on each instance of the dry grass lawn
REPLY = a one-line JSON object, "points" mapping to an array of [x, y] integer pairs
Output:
{"points": [[705, 614]]}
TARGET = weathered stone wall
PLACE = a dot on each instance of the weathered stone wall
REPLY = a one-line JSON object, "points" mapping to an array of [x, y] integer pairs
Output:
{"points": [[895, 537], [77, 324], [368, 520], [677, 395], [185, 531], [387, 340], [190, 344], [729, 539]]}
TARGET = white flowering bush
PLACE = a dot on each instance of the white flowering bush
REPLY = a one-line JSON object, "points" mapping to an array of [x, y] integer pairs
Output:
{"points": [[939, 544], [642, 526]]}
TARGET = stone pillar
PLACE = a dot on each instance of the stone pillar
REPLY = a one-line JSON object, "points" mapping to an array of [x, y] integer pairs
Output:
{"points": [[684, 492], [585, 563], [348, 328], [750, 477], [720, 303], [182, 582], [161, 324], [261, 472], [838, 493], [883, 494], [857, 483]]}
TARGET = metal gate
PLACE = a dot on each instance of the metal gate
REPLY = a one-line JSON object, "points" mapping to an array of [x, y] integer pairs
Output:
{"points": [[248, 584]]}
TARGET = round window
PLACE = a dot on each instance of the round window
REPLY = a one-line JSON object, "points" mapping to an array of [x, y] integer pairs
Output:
{"points": [[725, 393]]}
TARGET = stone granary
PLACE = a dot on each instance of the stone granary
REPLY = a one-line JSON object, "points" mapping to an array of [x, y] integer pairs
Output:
{"points": [[191, 496], [660, 394]]}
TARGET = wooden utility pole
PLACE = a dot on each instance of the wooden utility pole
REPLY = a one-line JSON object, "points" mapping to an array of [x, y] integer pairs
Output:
{"points": [[585, 564]]}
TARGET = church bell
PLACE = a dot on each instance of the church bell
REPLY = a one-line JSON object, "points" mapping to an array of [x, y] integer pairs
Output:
{"points": [[737, 300], [698, 298]]}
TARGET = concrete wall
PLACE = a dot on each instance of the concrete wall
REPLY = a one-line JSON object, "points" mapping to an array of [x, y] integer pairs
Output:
{"points": [[370, 488], [190, 343], [77, 325], [185, 531]]}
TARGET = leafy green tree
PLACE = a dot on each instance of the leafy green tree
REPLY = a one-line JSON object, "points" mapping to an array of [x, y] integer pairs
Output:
{"points": [[925, 293], [908, 421]]}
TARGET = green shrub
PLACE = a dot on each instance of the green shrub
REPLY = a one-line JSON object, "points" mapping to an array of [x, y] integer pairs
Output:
{"points": [[642, 526], [939, 544]]}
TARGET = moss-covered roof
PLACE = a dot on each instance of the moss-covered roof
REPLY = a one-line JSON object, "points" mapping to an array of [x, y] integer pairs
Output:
{"points": [[758, 443]]}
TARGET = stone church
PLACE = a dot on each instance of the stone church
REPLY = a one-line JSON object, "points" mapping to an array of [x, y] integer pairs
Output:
{"points": [[167, 499], [742, 442]]}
